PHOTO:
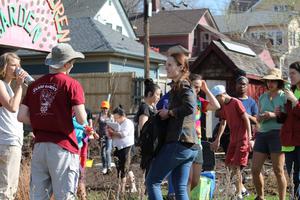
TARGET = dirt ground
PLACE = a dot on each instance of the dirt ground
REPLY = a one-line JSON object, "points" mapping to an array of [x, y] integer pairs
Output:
{"points": [[98, 182], [104, 187]]}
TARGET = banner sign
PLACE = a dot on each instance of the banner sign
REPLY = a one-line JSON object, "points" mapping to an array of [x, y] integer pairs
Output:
{"points": [[33, 24]]}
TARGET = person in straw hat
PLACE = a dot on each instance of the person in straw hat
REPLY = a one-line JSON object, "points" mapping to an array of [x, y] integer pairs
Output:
{"points": [[267, 141], [48, 106]]}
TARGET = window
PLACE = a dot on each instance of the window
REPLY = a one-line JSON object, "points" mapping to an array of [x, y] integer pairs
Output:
{"points": [[278, 38], [109, 2], [109, 24], [282, 8], [271, 38], [286, 7], [275, 37], [205, 37], [119, 29], [262, 35], [292, 38], [255, 35], [195, 39]]}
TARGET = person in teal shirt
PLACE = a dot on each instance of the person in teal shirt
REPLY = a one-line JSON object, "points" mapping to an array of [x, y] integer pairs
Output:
{"points": [[267, 141], [82, 135]]}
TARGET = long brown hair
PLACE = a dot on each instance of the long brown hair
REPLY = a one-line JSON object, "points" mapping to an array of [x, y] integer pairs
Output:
{"points": [[4, 61], [295, 66], [181, 60]]}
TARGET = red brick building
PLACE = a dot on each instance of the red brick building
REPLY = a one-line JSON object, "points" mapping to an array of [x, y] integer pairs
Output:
{"points": [[193, 29]]}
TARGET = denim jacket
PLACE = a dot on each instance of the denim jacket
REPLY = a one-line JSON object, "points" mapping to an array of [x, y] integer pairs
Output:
{"points": [[181, 126]]}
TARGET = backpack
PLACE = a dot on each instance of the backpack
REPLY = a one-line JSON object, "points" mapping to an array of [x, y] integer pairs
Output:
{"points": [[152, 138], [136, 122]]}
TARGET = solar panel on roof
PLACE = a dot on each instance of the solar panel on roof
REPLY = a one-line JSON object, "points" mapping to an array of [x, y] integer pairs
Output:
{"points": [[238, 48]]}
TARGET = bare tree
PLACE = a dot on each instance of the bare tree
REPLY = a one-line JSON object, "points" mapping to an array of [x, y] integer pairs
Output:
{"points": [[268, 25], [270, 21], [182, 4], [132, 6]]}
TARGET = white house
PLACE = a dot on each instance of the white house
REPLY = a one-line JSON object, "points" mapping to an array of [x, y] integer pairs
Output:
{"points": [[109, 12]]}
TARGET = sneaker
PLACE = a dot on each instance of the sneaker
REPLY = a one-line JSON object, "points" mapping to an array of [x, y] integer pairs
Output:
{"points": [[104, 170], [171, 196], [245, 193]]}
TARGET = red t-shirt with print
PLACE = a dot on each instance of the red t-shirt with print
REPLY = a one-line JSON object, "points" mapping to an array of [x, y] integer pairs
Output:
{"points": [[50, 100], [232, 112]]}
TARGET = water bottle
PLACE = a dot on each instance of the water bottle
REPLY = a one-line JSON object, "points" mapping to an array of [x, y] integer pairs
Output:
{"points": [[28, 79]]}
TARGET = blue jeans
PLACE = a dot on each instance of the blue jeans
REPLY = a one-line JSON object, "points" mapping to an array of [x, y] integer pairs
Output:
{"points": [[292, 161], [106, 152], [170, 185], [175, 158]]}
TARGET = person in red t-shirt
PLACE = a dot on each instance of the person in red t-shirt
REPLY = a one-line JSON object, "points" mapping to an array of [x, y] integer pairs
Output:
{"points": [[234, 113], [47, 107]]}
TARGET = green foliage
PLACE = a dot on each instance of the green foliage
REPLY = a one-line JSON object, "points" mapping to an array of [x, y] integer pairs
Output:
{"points": [[251, 197]]}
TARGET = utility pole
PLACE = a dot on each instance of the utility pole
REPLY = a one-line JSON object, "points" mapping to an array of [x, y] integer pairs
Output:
{"points": [[147, 14]]}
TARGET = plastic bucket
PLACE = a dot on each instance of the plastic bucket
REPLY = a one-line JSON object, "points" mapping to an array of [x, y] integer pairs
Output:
{"points": [[89, 163]]}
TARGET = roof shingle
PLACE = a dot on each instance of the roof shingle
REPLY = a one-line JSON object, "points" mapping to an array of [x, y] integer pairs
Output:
{"points": [[171, 22], [82, 8], [252, 65], [90, 36], [237, 23]]}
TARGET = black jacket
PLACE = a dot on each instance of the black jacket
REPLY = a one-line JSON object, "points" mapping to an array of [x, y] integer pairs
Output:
{"points": [[181, 127]]}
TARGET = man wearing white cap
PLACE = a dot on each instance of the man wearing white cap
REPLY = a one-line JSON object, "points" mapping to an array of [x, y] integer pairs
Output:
{"points": [[233, 112], [48, 107]]}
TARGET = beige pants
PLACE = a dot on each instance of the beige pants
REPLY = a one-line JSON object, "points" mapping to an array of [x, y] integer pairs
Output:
{"points": [[10, 158], [53, 170]]}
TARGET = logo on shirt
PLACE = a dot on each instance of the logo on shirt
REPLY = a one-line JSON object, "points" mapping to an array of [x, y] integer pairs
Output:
{"points": [[47, 94], [46, 99]]}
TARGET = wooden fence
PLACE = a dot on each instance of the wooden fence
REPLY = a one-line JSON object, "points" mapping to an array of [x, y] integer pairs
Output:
{"points": [[97, 87], [124, 88]]}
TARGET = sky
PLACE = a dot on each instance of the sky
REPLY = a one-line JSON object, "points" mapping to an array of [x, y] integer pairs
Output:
{"points": [[217, 7]]}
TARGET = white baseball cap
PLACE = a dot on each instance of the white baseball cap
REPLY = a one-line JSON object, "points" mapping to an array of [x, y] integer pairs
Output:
{"points": [[218, 89]]}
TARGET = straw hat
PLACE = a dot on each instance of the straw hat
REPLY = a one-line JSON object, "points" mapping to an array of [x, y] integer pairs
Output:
{"points": [[273, 74]]}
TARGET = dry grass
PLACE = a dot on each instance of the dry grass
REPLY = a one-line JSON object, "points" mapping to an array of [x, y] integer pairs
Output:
{"points": [[105, 187], [24, 179], [23, 189]]}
